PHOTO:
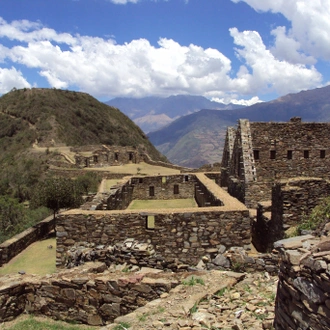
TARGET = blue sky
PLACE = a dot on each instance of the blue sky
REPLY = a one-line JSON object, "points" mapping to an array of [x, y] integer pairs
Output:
{"points": [[238, 51]]}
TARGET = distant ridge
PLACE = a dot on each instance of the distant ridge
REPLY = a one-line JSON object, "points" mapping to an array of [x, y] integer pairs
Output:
{"points": [[196, 139], [152, 113]]}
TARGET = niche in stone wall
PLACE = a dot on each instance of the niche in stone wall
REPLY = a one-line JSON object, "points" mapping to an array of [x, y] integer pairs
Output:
{"points": [[176, 189], [256, 155], [150, 222]]}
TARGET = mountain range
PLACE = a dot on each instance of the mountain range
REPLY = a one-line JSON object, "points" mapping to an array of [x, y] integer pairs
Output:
{"points": [[198, 138], [152, 113]]}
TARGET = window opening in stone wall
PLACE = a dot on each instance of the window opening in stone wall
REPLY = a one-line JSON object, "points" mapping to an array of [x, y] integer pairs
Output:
{"points": [[306, 153], [95, 159], [186, 178], [256, 154], [164, 179], [322, 153], [130, 156], [289, 154], [140, 180], [150, 222], [272, 154], [116, 156], [176, 189], [151, 191]]}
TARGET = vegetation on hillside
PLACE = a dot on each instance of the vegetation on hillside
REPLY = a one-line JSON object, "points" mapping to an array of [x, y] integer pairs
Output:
{"points": [[51, 117], [72, 118]]}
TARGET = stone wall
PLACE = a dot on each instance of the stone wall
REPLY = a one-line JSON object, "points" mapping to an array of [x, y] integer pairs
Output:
{"points": [[81, 296], [298, 149], [204, 197], [256, 192], [99, 156], [264, 229], [298, 197], [302, 300], [183, 234], [180, 186], [12, 247], [291, 201], [163, 187]]}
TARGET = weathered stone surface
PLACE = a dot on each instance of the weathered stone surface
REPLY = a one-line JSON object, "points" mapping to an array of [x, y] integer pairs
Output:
{"points": [[222, 261], [302, 296]]}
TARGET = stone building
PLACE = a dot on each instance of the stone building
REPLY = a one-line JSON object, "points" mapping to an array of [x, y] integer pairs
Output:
{"points": [[256, 154], [98, 156]]}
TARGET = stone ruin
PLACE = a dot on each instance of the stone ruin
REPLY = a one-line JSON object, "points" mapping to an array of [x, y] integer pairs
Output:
{"points": [[257, 154], [279, 168]]}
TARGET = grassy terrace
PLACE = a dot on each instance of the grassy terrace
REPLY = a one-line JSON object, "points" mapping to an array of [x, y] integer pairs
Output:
{"points": [[162, 204], [35, 259]]}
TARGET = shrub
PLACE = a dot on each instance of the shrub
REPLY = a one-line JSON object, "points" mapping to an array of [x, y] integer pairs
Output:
{"points": [[320, 214]]}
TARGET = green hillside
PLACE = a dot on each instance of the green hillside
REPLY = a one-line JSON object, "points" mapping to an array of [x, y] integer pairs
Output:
{"points": [[66, 117], [51, 119]]}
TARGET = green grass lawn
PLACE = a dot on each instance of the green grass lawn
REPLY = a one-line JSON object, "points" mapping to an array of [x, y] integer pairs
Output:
{"points": [[162, 204], [35, 259]]}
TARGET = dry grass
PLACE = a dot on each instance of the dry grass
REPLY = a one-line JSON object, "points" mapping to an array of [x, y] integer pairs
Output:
{"points": [[136, 169], [162, 204], [28, 322], [35, 259], [109, 183]]}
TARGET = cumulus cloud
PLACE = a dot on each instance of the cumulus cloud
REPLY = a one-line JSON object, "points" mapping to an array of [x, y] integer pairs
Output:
{"points": [[10, 78], [310, 30], [104, 68], [268, 72]]}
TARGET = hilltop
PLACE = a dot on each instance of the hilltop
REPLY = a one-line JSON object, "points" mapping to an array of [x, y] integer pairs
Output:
{"points": [[59, 117]]}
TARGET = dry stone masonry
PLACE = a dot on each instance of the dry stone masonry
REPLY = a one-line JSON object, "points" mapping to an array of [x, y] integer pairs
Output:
{"points": [[265, 152], [303, 294]]}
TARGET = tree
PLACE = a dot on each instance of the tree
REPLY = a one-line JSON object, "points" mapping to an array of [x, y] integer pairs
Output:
{"points": [[57, 193], [11, 216], [88, 182]]}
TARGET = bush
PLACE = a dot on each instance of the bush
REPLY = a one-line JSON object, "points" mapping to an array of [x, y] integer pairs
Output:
{"points": [[320, 214]]}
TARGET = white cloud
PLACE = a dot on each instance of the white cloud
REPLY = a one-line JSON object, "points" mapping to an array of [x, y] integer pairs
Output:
{"points": [[10, 78], [106, 69], [229, 99], [268, 72], [310, 31]]}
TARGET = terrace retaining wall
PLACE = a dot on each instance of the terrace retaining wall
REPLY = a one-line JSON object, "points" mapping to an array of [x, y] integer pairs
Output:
{"points": [[81, 296], [15, 245], [186, 234]]}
